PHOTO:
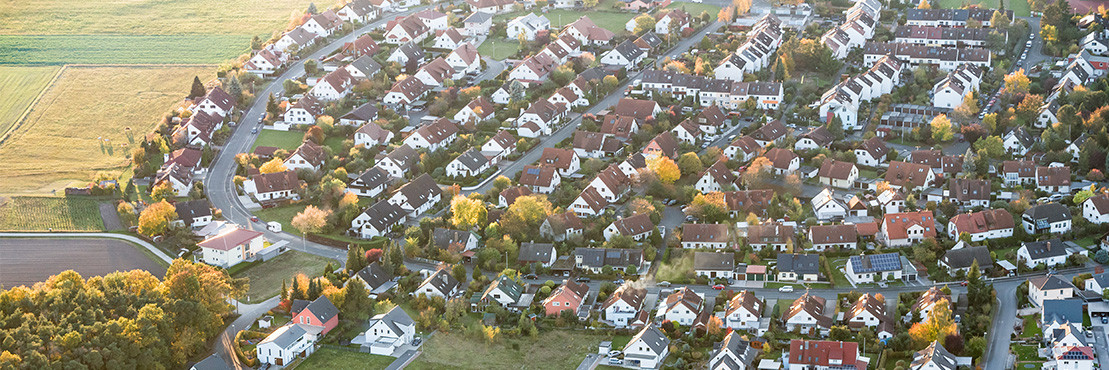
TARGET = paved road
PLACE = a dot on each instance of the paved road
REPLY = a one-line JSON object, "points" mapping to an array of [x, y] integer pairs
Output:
{"points": [[221, 190], [566, 130], [590, 361], [248, 314], [403, 360]]}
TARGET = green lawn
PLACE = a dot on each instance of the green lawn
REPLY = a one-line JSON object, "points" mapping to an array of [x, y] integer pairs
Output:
{"points": [[868, 173], [20, 85], [1031, 327], [288, 140], [619, 341], [1087, 241], [330, 358], [265, 278], [1019, 7], [695, 9], [838, 275], [608, 19], [1026, 353], [283, 215], [557, 349], [121, 49], [50, 213], [503, 49]]}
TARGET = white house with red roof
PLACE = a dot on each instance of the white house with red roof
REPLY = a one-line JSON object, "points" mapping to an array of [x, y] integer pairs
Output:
{"points": [[371, 135], [464, 59], [1096, 209], [231, 247], [435, 73], [298, 37], [216, 102], [478, 110], [435, 136], [358, 11], [405, 92], [303, 112], [405, 29], [822, 354], [334, 85], [323, 24], [265, 62], [273, 186], [907, 228], [625, 306], [308, 156], [448, 39]]}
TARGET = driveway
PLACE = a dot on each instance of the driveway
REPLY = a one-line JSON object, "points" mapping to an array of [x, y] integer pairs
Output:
{"points": [[248, 314]]}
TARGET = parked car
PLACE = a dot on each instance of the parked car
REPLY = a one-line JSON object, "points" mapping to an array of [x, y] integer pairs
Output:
{"points": [[786, 289], [614, 353], [663, 283], [718, 287], [254, 130], [582, 280], [618, 282], [253, 218], [531, 276], [1105, 319], [615, 361]]}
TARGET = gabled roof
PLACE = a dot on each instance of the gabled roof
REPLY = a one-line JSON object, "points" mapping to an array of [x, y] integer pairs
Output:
{"points": [[934, 354], [535, 252], [705, 233], [751, 201], [1053, 176], [442, 281], [438, 131], [472, 159], [600, 257], [896, 225], [868, 303], [964, 257], [634, 297], [420, 191], [720, 173], [285, 336], [686, 297], [826, 234], [311, 153], [322, 309], [1049, 212], [825, 354], [557, 158], [965, 190], [538, 176], [780, 158], [374, 275], [820, 135], [746, 300], [714, 261], [875, 262], [771, 131], [634, 225], [404, 156], [905, 173], [366, 112], [478, 17], [1049, 282], [652, 337], [220, 98], [367, 65], [813, 305], [931, 297], [188, 210], [276, 181], [443, 238], [394, 319], [506, 285], [375, 132], [511, 193], [640, 109], [834, 169], [667, 144], [229, 239], [801, 264], [1100, 203], [769, 233], [1063, 310], [1045, 248], [383, 215], [983, 221]]}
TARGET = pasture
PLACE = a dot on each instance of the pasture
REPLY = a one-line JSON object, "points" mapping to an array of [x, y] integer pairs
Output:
{"points": [[19, 85], [50, 213], [121, 49], [88, 121]]}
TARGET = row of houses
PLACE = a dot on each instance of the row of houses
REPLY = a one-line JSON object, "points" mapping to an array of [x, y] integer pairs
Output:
{"points": [[947, 58], [842, 100], [754, 54], [861, 21], [707, 91]]}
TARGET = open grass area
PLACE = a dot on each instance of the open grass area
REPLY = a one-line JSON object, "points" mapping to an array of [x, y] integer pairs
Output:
{"points": [[88, 121], [19, 85], [551, 350], [265, 278], [498, 50], [1019, 7], [49, 213], [602, 16], [1026, 353], [695, 9], [287, 140], [838, 277], [29, 17], [121, 49], [283, 215], [1031, 327], [330, 358]]}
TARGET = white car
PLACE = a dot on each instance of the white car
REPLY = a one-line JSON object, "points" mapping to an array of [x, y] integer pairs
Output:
{"points": [[614, 353], [786, 289]]}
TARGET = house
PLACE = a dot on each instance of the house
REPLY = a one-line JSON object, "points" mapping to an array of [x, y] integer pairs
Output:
{"points": [[1049, 287], [358, 11], [1018, 141], [873, 268], [453, 240], [595, 259], [934, 357], [838, 174], [662, 145], [910, 176], [638, 227], [744, 311], [477, 111], [982, 225], [308, 156], [794, 267], [568, 97], [733, 353], [1051, 252], [418, 196], [588, 33], [510, 194], [826, 207], [624, 306], [868, 311], [924, 304], [285, 344], [504, 292], [819, 354], [230, 247], [683, 306], [408, 54], [388, 332], [406, 29], [960, 83], [433, 137], [904, 229], [825, 237], [712, 121], [647, 349], [856, 207], [782, 161], [265, 62], [961, 259], [477, 24], [376, 278], [542, 179], [872, 152], [528, 25], [533, 70], [562, 226], [666, 21], [1051, 218], [1053, 179], [295, 40], [399, 161], [589, 203], [363, 114], [540, 118], [317, 313], [772, 235], [642, 110], [543, 254], [334, 86], [435, 73], [596, 145], [499, 146], [705, 236], [371, 135], [468, 164], [772, 132], [363, 68], [714, 265], [626, 55], [687, 132], [273, 186], [567, 297], [891, 201], [440, 284], [1098, 282], [716, 178], [1096, 209], [566, 161], [815, 138], [743, 149], [969, 193], [448, 39], [323, 24], [216, 102], [378, 219], [806, 315], [406, 92], [621, 127], [1018, 172], [193, 213], [611, 183]]}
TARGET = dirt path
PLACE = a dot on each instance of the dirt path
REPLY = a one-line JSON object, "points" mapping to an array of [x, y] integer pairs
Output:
{"points": [[110, 216]]}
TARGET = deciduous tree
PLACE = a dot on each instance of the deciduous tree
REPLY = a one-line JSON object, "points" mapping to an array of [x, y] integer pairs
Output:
{"points": [[274, 165], [467, 212], [311, 220], [644, 23], [668, 172], [941, 129], [155, 218], [525, 214], [937, 327]]}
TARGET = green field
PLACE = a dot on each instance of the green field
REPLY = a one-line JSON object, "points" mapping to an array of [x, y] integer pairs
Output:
{"points": [[551, 350], [121, 49], [265, 279], [695, 9], [330, 358], [503, 50], [19, 85], [287, 140], [283, 215], [49, 213], [1019, 7], [608, 19]]}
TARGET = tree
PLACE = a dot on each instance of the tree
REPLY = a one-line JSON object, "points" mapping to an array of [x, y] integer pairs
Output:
{"points": [[590, 4], [271, 107], [355, 260], [924, 5], [273, 166], [969, 162], [644, 23], [757, 173], [311, 9], [311, 220], [198, 89], [162, 191], [316, 134], [668, 172], [525, 214], [937, 327], [467, 212], [742, 7], [235, 88], [458, 271], [1049, 33], [967, 110], [1017, 83], [356, 303], [941, 129], [155, 218], [998, 20], [993, 145], [724, 15], [1081, 196], [689, 164]]}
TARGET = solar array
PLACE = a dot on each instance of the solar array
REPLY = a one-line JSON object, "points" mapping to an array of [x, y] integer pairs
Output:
{"points": [[878, 262]]}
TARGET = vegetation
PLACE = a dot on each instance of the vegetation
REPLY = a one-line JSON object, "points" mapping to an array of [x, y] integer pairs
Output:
{"points": [[265, 281], [122, 49], [49, 213], [441, 351], [331, 358], [20, 85]]}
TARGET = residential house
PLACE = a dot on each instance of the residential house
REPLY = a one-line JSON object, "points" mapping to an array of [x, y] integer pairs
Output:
{"points": [[510, 194], [440, 284], [716, 178], [317, 313], [408, 54], [772, 235], [683, 306], [873, 268], [265, 62], [477, 24], [733, 352], [687, 132], [541, 179], [376, 279], [595, 259], [662, 145], [816, 138], [969, 193], [528, 25], [387, 332], [449, 39], [744, 311], [435, 73], [1051, 252], [569, 296], [960, 83], [456, 241], [982, 225], [371, 135], [620, 127], [1097, 283], [361, 115], [287, 343], [378, 219], [504, 292], [323, 24], [625, 306], [477, 111], [1049, 287], [406, 29], [334, 86], [1018, 141], [838, 174], [216, 102], [743, 149], [470, 163], [1053, 179], [794, 267], [543, 254], [232, 246], [406, 92], [891, 201], [273, 186], [638, 227], [928, 301], [562, 226], [399, 161], [611, 183], [295, 40], [648, 348], [826, 207], [772, 132], [363, 68], [934, 357], [566, 161], [840, 237], [1096, 209], [714, 265], [588, 33], [540, 118], [499, 146], [596, 145], [193, 213], [910, 176], [907, 228], [626, 55], [308, 156], [705, 236], [806, 315], [433, 137], [961, 259], [872, 152], [590, 203], [869, 311], [358, 11], [418, 196], [1051, 218], [1018, 172], [782, 161]]}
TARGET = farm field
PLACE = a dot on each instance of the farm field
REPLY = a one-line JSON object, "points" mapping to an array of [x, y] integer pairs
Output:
{"points": [[43, 213], [19, 85], [88, 121], [121, 49], [1020, 8], [30, 260], [441, 352], [27, 17], [265, 280]]}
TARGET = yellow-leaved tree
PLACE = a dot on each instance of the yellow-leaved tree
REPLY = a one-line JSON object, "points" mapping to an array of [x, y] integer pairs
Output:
{"points": [[274, 165], [937, 327]]}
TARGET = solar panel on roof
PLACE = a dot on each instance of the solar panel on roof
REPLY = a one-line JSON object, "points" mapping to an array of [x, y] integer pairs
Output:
{"points": [[533, 171]]}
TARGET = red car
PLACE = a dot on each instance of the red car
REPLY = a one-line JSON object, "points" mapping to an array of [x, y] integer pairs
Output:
{"points": [[718, 287], [963, 283]]}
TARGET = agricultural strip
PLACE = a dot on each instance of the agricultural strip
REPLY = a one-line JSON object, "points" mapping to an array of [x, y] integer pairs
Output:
{"points": [[30, 260], [88, 121], [19, 85], [121, 49], [50, 213], [138, 17]]}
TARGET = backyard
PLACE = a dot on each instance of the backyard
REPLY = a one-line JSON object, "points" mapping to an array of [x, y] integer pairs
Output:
{"points": [[1031, 327], [1020, 8], [331, 358], [499, 51], [558, 349], [49, 213], [288, 140], [265, 282], [283, 215]]}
